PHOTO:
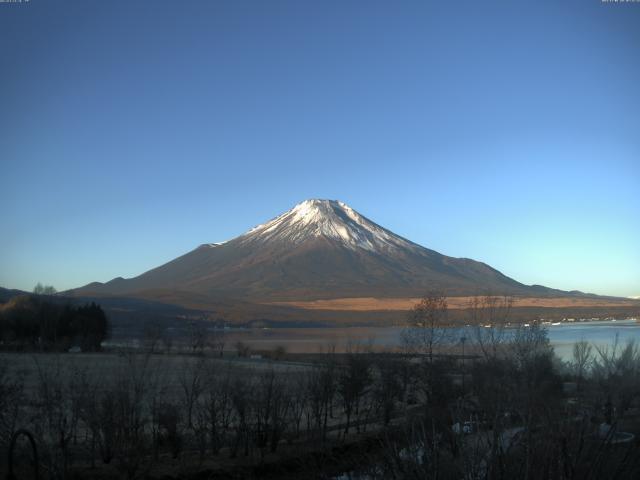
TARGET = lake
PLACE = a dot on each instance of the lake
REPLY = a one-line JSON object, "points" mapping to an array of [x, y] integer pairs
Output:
{"points": [[599, 333], [311, 340]]}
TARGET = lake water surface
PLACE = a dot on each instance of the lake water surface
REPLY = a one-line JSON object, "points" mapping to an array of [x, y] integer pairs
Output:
{"points": [[310, 340], [603, 333]]}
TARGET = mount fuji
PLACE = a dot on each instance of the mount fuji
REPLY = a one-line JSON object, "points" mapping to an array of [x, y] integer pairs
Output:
{"points": [[320, 249]]}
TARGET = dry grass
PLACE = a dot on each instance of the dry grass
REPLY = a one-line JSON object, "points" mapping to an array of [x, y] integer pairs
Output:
{"points": [[364, 304]]}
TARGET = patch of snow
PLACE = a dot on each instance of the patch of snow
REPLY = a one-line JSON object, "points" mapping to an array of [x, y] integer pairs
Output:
{"points": [[330, 219], [217, 244]]}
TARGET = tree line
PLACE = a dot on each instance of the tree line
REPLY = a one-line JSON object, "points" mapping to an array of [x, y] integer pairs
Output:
{"points": [[40, 322]]}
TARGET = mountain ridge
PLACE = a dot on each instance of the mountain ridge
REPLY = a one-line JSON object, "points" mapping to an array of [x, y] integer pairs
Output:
{"points": [[318, 249]]}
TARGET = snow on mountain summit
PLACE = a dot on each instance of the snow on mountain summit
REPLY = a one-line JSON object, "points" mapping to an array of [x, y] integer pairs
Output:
{"points": [[330, 219], [318, 249]]}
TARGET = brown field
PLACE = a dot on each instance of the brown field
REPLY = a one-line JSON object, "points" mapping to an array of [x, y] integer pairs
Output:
{"points": [[363, 304]]}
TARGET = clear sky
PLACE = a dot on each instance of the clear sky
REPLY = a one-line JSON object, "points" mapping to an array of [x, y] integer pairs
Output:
{"points": [[507, 132]]}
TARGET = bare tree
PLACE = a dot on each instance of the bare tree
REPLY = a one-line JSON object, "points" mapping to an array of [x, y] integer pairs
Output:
{"points": [[427, 325], [354, 379], [321, 393], [216, 341], [617, 369], [582, 358], [40, 289], [388, 386], [279, 352], [490, 316], [269, 411], [528, 343], [57, 414], [168, 422], [152, 337], [132, 402], [11, 401], [241, 388], [200, 399], [191, 380], [426, 334], [242, 349], [167, 341], [218, 408], [297, 404], [198, 336]]}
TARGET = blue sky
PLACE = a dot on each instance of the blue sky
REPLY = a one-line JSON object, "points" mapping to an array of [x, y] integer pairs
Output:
{"points": [[507, 132]]}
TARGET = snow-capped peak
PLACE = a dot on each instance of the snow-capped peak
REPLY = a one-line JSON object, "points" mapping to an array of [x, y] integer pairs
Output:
{"points": [[330, 219]]}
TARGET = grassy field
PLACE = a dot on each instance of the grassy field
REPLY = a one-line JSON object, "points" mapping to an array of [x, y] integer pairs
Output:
{"points": [[60, 396], [172, 368], [131, 414], [456, 303]]}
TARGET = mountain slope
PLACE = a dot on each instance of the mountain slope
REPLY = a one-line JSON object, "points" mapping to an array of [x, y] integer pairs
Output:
{"points": [[7, 294], [319, 249]]}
